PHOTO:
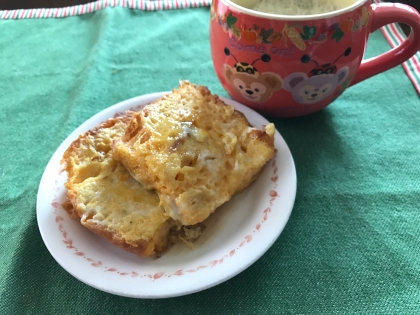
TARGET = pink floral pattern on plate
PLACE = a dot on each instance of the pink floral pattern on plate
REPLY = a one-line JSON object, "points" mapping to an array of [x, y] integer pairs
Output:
{"points": [[271, 195], [238, 234]]}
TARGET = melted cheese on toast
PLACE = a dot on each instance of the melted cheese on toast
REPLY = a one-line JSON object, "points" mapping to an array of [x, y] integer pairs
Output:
{"points": [[194, 150], [107, 200]]}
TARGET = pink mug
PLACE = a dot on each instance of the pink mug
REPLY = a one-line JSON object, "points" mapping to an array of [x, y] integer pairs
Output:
{"points": [[288, 66]]}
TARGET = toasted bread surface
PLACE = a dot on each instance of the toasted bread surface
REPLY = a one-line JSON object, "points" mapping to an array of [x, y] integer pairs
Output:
{"points": [[195, 150], [107, 200]]}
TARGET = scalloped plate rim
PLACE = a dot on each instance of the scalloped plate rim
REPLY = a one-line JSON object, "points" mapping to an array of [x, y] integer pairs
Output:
{"points": [[214, 280]]}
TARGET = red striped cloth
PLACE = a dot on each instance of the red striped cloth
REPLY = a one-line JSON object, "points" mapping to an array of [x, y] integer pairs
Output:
{"points": [[395, 36], [147, 5]]}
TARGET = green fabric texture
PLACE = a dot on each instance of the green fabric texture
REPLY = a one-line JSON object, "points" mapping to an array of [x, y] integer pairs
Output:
{"points": [[351, 244]]}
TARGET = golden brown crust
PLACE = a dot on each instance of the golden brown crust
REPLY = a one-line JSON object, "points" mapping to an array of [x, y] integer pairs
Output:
{"points": [[65, 160], [140, 247], [262, 136], [169, 233], [104, 197], [68, 207], [195, 150], [107, 200]]}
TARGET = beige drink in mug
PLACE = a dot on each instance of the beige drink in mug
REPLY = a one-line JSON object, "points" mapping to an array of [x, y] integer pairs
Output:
{"points": [[290, 58], [295, 7]]}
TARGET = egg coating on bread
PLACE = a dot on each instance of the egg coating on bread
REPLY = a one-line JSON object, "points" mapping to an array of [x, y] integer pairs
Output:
{"points": [[194, 150], [106, 199]]}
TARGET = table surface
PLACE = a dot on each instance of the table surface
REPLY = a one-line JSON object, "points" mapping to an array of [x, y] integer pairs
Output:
{"points": [[351, 244]]}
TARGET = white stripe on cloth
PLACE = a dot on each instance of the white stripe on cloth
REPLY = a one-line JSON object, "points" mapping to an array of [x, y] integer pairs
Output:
{"points": [[146, 5]]}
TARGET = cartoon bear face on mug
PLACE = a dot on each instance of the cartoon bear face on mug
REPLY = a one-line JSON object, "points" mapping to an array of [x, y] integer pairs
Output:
{"points": [[316, 88], [321, 82], [252, 85]]}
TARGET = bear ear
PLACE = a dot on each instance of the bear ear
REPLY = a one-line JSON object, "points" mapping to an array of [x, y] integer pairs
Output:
{"points": [[342, 75], [271, 79], [227, 71], [294, 79]]}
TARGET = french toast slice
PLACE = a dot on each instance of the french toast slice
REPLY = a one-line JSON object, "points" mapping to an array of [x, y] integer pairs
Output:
{"points": [[194, 150], [107, 200]]}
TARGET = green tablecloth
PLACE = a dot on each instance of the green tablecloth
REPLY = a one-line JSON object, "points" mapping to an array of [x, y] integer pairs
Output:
{"points": [[351, 245]]}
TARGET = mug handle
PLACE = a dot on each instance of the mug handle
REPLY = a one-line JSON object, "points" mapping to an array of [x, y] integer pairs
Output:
{"points": [[383, 14]]}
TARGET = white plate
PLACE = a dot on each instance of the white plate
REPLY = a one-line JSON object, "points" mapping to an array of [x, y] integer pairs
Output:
{"points": [[237, 234]]}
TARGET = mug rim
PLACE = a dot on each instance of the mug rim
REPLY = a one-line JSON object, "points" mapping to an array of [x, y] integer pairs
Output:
{"points": [[272, 16]]}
